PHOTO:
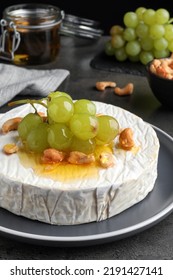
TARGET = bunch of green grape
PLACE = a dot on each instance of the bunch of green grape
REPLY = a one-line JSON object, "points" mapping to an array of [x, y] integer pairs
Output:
{"points": [[69, 126], [146, 34]]}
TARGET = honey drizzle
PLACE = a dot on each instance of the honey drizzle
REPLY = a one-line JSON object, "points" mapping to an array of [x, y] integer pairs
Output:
{"points": [[63, 171]]}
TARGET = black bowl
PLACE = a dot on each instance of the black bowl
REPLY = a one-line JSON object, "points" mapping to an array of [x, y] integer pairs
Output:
{"points": [[162, 88]]}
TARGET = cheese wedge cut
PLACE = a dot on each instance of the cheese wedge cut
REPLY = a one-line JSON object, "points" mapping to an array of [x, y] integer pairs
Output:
{"points": [[97, 196]]}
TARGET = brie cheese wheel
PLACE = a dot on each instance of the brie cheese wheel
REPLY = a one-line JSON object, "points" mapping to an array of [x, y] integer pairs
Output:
{"points": [[81, 200]]}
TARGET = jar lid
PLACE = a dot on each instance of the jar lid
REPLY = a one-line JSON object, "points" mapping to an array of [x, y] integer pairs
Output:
{"points": [[33, 15], [80, 27]]}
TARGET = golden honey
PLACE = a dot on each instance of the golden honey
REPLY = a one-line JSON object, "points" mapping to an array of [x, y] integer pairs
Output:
{"points": [[32, 33], [64, 171]]}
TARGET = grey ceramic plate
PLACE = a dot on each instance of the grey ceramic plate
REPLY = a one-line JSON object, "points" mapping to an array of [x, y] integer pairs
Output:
{"points": [[155, 207]]}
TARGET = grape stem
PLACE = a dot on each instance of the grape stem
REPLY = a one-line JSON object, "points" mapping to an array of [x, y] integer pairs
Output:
{"points": [[171, 20], [30, 101]]}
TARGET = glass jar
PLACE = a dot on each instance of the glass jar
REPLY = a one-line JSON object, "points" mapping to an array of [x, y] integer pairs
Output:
{"points": [[30, 33], [79, 27]]}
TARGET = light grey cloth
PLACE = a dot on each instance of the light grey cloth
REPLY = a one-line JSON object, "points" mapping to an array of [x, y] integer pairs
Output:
{"points": [[16, 80]]}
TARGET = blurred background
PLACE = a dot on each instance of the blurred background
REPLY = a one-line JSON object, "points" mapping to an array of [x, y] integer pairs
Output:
{"points": [[107, 12]]}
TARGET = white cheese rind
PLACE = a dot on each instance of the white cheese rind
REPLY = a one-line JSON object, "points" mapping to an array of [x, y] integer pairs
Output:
{"points": [[81, 201]]}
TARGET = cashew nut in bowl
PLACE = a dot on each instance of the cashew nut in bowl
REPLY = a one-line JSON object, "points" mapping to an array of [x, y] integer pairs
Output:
{"points": [[163, 67]]}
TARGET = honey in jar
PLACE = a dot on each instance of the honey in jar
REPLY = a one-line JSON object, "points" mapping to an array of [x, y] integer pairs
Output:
{"points": [[30, 33]]}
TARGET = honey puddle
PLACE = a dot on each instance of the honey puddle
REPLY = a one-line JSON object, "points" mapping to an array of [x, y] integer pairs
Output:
{"points": [[63, 171]]}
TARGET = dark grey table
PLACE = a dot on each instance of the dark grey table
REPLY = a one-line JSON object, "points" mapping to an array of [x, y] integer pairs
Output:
{"points": [[156, 242]]}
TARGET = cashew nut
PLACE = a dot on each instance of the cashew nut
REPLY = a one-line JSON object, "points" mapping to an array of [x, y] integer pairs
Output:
{"points": [[11, 124], [163, 67], [52, 156], [10, 148], [76, 157], [106, 160], [43, 116], [102, 85], [127, 90], [126, 139]]}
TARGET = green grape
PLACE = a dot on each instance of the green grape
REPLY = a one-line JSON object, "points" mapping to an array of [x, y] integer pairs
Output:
{"points": [[130, 19], [147, 34], [139, 11], [149, 17], [84, 146], [129, 34], [37, 140], [117, 41], [145, 57], [142, 30], [109, 50], [84, 126], [108, 129], [133, 48], [121, 54], [116, 29], [147, 44], [170, 46], [169, 32], [56, 94], [134, 58], [161, 54], [84, 106], [160, 44], [59, 137], [156, 31], [60, 109], [162, 16], [29, 122]]}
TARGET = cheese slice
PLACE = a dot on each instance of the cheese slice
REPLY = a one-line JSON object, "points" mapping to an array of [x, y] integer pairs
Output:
{"points": [[81, 200]]}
